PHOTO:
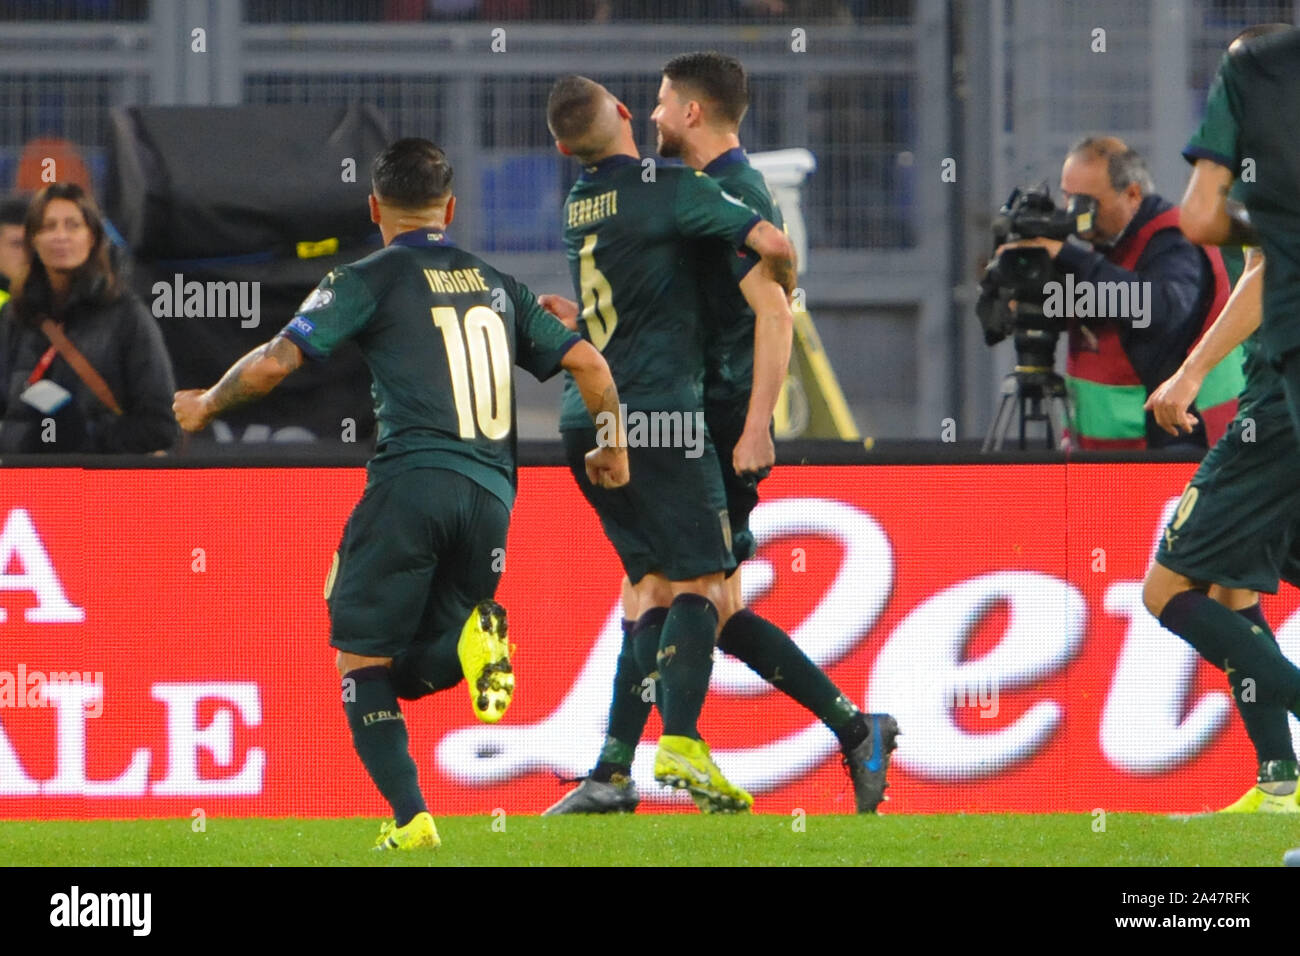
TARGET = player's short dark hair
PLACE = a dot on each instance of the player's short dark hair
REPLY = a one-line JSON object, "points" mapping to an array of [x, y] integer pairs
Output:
{"points": [[13, 210], [715, 78], [1259, 30], [1124, 165], [572, 108], [411, 173]]}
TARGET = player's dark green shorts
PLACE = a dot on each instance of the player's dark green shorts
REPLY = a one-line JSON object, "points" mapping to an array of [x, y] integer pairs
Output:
{"points": [[1236, 522], [1288, 368], [420, 549], [670, 518], [726, 421]]}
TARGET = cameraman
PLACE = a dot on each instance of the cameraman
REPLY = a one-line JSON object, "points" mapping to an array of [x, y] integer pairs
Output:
{"points": [[1116, 361]]}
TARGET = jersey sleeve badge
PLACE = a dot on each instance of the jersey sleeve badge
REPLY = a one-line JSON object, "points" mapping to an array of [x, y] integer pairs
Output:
{"points": [[319, 299]]}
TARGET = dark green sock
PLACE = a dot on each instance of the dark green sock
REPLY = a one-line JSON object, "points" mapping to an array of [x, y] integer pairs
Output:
{"points": [[629, 708], [1225, 638], [1266, 724], [379, 736], [628, 711], [645, 645], [615, 757], [772, 655], [686, 662]]}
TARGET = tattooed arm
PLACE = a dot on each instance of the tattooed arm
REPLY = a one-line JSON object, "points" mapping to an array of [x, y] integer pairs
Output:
{"points": [[250, 378], [607, 463]]}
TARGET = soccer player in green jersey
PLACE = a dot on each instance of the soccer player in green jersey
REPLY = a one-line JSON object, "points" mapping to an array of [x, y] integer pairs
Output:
{"points": [[1234, 532], [629, 232], [1248, 137], [702, 99], [411, 586]]}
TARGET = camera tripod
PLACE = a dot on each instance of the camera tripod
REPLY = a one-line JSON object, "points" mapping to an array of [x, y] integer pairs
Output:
{"points": [[1040, 395]]}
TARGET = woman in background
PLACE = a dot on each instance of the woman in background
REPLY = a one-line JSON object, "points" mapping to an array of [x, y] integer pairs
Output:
{"points": [[45, 406]]}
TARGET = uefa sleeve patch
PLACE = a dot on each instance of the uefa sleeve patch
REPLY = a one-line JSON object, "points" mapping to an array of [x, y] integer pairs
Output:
{"points": [[302, 326], [318, 299]]}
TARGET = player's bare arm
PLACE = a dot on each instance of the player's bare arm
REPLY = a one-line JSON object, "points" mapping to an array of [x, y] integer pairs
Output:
{"points": [[606, 465], [777, 252], [1238, 320], [252, 377], [773, 333], [1208, 216], [566, 310]]}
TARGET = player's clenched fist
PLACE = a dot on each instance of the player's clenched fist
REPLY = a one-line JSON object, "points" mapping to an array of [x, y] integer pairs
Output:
{"points": [[607, 467], [566, 310], [754, 452], [1169, 403], [191, 409]]}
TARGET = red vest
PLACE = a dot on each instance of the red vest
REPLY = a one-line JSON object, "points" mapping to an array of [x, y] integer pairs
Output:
{"points": [[1108, 363]]}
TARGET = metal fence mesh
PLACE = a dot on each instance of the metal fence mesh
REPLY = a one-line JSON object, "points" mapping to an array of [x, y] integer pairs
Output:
{"points": [[1215, 24], [861, 128], [870, 98], [576, 11], [413, 106]]}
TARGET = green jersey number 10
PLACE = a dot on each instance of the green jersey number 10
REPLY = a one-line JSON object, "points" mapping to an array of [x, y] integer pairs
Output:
{"points": [[487, 369]]}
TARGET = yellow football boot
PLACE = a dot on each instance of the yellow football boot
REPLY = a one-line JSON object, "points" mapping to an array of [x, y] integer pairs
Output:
{"points": [[485, 660], [1256, 800], [684, 764], [1274, 775], [419, 834]]}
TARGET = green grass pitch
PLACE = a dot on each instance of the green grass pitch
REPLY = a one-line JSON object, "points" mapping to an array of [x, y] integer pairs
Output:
{"points": [[1129, 839]]}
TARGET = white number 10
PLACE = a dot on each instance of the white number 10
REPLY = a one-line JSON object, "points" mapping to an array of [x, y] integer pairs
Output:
{"points": [[488, 368]]}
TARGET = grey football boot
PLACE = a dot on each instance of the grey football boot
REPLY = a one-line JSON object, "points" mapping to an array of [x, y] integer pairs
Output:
{"points": [[594, 796], [868, 762]]}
